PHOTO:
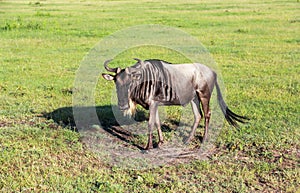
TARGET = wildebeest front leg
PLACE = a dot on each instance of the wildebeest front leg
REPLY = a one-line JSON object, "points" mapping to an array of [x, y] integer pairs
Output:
{"points": [[157, 122], [150, 136], [152, 121], [197, 117]]}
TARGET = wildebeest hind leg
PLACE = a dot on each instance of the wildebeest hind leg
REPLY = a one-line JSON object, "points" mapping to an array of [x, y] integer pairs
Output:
{"points": [[207, 113], [197, 117]]}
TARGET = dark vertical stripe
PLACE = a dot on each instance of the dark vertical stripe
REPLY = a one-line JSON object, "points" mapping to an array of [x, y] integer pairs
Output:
{"points": [[155, 80]]}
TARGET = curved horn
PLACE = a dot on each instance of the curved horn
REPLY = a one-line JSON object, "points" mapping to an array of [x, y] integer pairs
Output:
{"points": [[108, 68], [138, 60]]}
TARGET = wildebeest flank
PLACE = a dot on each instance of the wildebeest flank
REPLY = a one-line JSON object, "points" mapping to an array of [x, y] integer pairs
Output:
{"points": [[152, 83]]}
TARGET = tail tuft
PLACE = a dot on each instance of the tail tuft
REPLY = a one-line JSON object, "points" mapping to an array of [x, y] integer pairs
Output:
{"points": [[233, 118], [230, 116]]}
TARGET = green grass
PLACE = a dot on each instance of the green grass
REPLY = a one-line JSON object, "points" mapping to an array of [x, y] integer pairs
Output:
{"points": [[256, 47]]}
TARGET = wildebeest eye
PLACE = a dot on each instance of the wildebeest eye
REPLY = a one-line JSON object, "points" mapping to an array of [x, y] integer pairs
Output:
{"points": [[136, 76]]}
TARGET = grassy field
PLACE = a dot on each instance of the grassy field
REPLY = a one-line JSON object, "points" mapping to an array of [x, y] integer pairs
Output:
{"points": [[255, 45]]}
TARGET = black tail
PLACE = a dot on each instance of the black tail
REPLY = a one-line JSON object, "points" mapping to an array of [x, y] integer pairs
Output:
{"points": [[230, 116]]}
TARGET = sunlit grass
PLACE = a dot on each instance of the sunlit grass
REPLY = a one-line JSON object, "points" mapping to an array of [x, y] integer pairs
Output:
{"points": [[255, 46]]}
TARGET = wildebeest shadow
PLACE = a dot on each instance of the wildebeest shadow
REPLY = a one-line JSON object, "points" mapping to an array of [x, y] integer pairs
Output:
{"points": [[65, 116], [107, 117]]}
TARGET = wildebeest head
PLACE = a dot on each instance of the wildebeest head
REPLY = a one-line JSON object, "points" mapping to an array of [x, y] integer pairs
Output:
{"points": [[123, 78]]}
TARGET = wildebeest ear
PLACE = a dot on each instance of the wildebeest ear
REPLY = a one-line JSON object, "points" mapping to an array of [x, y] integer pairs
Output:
{"points": [[118, 70], [108, 77]]}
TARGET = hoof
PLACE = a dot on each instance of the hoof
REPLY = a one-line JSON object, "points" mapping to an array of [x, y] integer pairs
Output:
{"points": [[159, 145], [187, 141], [145, 151], [204, 139], [148, 147]]}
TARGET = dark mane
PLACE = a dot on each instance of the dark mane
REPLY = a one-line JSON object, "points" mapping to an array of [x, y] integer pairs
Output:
{"points": [[153, 61]]}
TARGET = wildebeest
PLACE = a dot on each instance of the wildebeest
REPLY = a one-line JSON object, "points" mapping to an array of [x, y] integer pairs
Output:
{"points": [[152, 83]]}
